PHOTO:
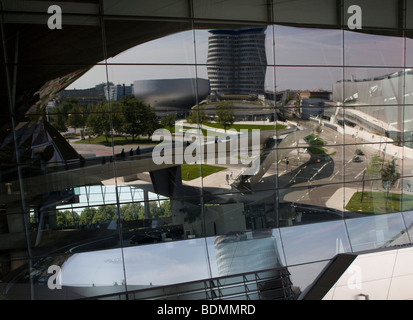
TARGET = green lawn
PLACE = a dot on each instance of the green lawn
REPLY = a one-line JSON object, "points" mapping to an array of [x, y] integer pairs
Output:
{"points": [[193, 171], [316, 144], [378, 203]]}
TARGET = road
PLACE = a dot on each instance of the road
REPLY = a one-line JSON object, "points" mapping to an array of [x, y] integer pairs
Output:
{"points": [[314, 183]]}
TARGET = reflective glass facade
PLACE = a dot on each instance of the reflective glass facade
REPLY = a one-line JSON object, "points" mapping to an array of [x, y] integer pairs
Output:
{"points": [[177, 183]]}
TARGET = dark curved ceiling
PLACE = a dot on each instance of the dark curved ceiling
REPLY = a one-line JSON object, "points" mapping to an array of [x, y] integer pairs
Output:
{"points": [[43, 55]]}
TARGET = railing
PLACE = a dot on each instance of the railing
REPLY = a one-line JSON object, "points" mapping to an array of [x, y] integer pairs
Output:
{"points": [[272, 284]]}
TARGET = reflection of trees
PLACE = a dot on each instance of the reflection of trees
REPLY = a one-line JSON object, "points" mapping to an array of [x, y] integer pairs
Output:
{"points": [[94, 216], [225, 114], [198, 115], [128, 115], [100, 121], [389, 175], [66, 218], [168, 122], [138, 117]]}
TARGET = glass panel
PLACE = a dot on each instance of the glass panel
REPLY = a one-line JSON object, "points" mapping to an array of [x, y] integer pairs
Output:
{"points": [[16, 278], [364, 49], [409, 48], [384, 15], [373, 86], [301, 46], [378, 175], [379, 231], [406, 197], [69, 276], [166, 263], [303, 205], [318, 80], [243, 252], [310, 243], [407, 171], [174, 48], [225, 10], [155, 8], [303, 276], [407, 137], [408, 220], [304, 11]]}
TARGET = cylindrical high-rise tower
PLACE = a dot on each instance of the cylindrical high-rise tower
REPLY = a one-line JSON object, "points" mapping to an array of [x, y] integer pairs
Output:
{"points": [[237, 61]]}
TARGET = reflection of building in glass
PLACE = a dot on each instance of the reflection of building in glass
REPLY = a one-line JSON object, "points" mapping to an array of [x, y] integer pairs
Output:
{"points": [[313, 103], [377, 103], [85, 96], [246, 252], [171, 94], [116, 92], [237, 61]]}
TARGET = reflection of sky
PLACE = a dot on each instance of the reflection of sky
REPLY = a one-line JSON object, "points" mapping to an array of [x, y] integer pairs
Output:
{"points": [[157, 264], [293, 46], [372, 232], [314, 242], [99, 268], [196, 259], [166, 263]]}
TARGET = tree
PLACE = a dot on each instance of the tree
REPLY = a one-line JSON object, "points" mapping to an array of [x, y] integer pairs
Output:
{"points": [[132, 211], [104, 214], [139, 119], [389, 175], [87, 215], [99, 121], [75, 117], [60, 113], [166, 208], [168, 122], [225, 114], [198, 115], [59, 122], [66, 218]]}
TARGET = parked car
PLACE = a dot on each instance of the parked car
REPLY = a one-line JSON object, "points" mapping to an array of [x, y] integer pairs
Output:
{"points": [[357, 159], [359, 152]]}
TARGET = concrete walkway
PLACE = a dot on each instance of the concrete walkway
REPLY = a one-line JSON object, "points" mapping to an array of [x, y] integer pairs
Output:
{"points": [[340, 198]]}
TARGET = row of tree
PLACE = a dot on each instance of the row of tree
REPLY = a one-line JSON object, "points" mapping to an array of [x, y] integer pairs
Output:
{"points": [[224, 112], [126, 116], [95, 216]]}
